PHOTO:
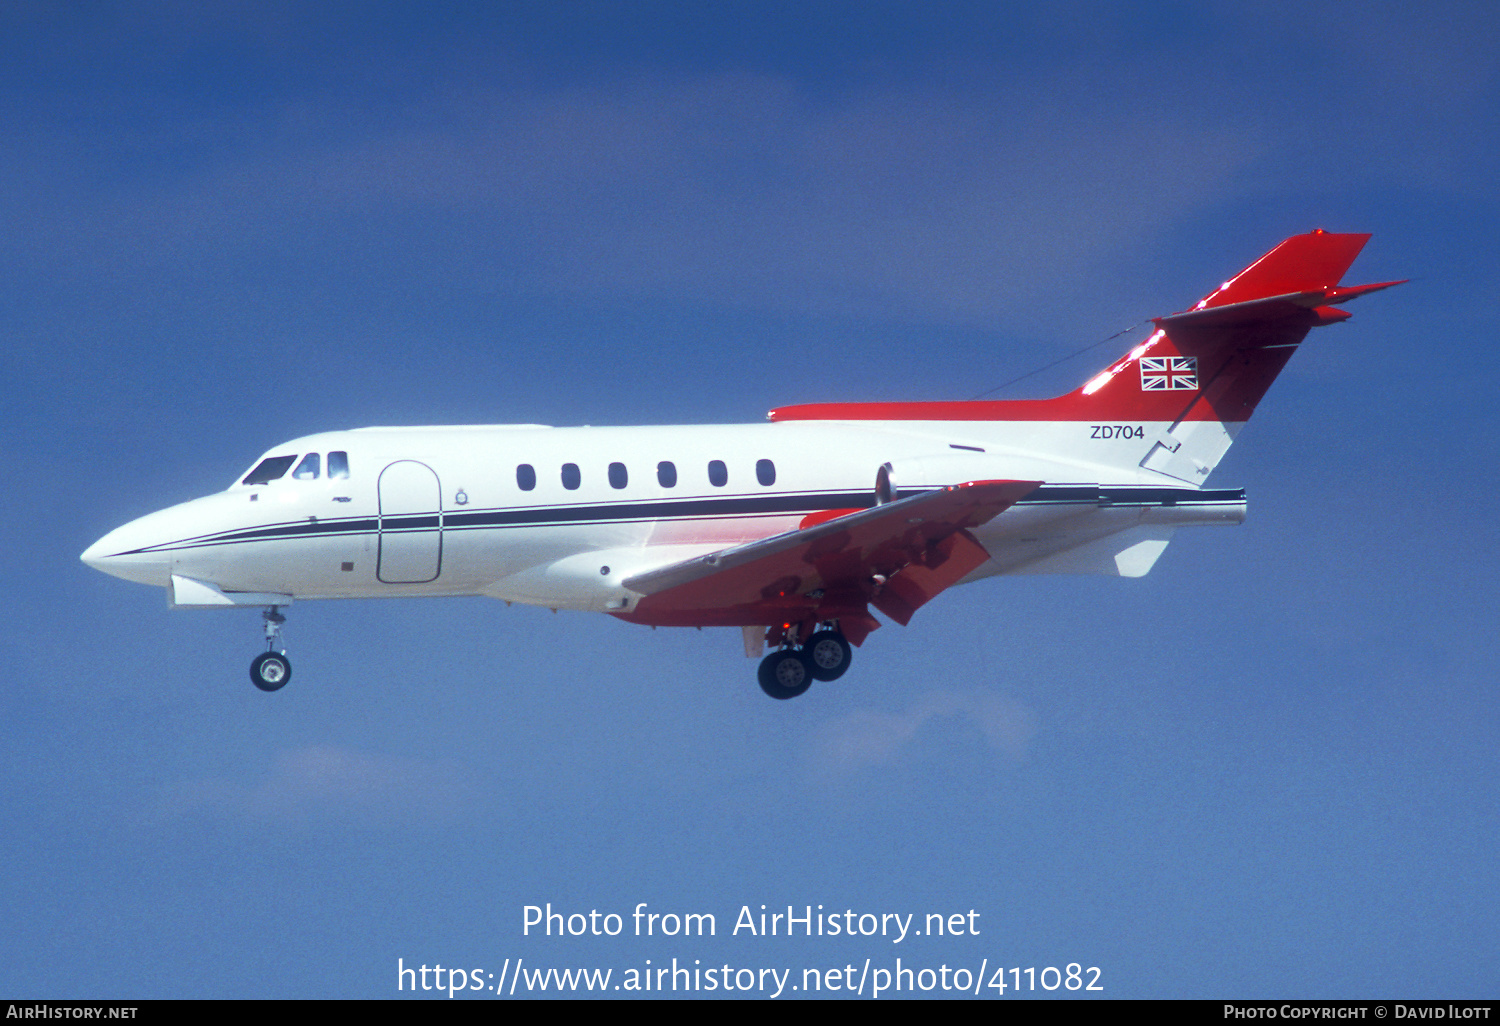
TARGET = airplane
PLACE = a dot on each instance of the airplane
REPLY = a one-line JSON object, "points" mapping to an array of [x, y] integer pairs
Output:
{"points": [[792, 530]]}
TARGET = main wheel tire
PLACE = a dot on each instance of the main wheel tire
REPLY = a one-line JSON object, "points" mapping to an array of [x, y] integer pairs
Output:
{"points": [[270, 671], [785, 674], [829, 654]]}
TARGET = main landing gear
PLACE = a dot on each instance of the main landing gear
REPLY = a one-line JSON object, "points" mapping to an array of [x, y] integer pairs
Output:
{"points": [[791, 670], [271, 669]]}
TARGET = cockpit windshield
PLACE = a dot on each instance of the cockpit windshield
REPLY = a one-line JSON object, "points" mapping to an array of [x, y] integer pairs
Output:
{"points": [[273, 468], [269, 469]]}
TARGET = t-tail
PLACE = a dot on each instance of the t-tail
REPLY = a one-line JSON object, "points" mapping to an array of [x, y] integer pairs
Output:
{"points": [[1177, 400]]}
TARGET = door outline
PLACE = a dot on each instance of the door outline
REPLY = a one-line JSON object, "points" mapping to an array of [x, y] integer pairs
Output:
{"points": [[407, 554]]}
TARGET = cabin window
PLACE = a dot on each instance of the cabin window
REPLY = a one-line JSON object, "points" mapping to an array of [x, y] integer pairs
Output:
{"points": [[269, 470], [666, 474], [338, 464], [718, 474], [765, 472], [618, 477], [526, 477], [570, 476], [309, 468]]}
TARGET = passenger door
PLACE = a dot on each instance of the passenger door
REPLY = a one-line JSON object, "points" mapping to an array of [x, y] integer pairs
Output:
{"points": [[411, 524]]}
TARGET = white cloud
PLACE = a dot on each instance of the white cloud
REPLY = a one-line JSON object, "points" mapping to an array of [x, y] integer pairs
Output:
{"points": [[869, 738], [973, 205], [955, 204], [983, 197], [328, 782]]}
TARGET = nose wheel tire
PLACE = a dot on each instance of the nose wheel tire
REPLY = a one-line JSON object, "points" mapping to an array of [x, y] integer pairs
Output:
{"points": [[270, 671], [785, 674], [828, 654]]}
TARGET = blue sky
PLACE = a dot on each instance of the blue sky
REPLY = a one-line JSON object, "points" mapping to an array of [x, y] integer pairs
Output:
{"points": [[1267, 769]]}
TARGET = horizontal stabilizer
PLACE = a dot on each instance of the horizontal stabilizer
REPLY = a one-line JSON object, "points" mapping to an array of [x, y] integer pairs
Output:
{"points": [[1273, 308]]}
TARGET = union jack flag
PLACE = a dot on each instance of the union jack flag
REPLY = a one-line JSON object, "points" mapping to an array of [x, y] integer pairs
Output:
{"points": [[1169, 373]]}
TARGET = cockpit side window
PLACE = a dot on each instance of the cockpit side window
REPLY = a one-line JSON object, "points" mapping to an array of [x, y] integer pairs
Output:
{"points": [[269, 469], [308, 469], [338, 464]]}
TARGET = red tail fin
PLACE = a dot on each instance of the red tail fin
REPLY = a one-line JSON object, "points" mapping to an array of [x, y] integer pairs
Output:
{"points": [[1302, 264], [1210, 363]]}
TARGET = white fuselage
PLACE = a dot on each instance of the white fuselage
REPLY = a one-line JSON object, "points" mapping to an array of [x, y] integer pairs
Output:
{"points": [[448, 510]]}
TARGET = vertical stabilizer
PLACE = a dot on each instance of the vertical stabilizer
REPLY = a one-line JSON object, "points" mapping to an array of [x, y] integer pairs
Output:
{"points": [[1177, 400]]}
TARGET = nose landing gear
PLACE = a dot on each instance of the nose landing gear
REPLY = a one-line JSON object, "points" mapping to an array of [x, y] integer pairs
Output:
{"points": [[271, 669]]}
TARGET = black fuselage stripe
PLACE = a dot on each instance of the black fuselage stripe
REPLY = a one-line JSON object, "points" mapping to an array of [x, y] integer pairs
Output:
{"points": [[683, 509]]}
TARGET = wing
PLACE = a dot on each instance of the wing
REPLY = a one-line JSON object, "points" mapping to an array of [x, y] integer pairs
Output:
{"points": [[895, 557]]}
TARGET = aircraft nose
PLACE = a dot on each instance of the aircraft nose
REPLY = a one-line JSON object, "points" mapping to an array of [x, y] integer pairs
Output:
{"points": [[119, 554], [96, 554]]}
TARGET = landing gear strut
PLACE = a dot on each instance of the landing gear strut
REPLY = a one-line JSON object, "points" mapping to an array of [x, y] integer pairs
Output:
{"points": [[790, 671], [271, 669]]}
